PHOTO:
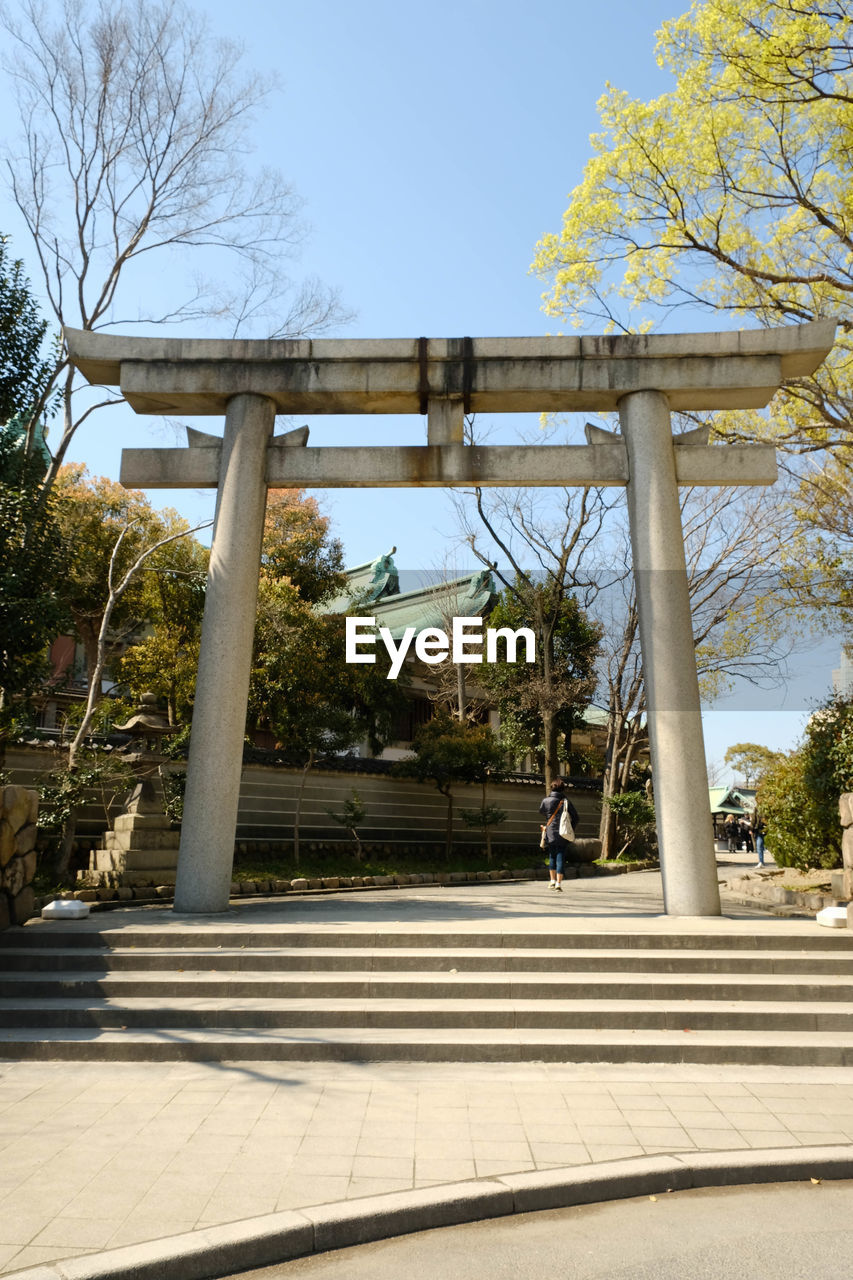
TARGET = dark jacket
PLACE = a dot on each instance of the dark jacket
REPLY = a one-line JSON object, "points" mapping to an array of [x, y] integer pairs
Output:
{"points": [[548, 806]]}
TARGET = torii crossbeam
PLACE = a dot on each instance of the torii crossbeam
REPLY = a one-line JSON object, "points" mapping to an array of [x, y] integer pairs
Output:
{"points": [[642, 377]]}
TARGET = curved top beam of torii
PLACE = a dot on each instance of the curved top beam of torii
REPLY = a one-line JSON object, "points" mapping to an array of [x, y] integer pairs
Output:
{"points": [[446, 378], [730, 370]]}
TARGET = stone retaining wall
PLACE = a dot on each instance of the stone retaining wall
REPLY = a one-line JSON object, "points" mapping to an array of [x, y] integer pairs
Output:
{"points": [[399, 810], [763, 891], [18, 816], [845, 813]]}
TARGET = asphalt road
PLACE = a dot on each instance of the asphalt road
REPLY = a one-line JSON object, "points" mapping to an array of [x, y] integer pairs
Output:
{"points": [[781, 1231]]}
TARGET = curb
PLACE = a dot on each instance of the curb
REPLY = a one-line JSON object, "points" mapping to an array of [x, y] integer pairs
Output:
{"points": [[298, 1233]]}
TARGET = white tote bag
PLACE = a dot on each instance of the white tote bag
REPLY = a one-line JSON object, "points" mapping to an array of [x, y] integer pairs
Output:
{"points": [[567, 831]]}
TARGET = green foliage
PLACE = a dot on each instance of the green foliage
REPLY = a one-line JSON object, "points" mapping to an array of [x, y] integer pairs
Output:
{"points": [[174, 789], [353, 812], [490, 815], [302, 688], [733, 190], [32, 565], [351, 816], [750, 760], [31, 558], [297, 547], [304, 691], [584, 762], [165, 662], [635, 825], [25, 377], [799, 794], [541, 703], [447, 750], [96, 778]]}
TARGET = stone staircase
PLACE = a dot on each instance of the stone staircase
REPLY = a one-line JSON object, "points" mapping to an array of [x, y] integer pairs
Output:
{"points": [[215, 994]]}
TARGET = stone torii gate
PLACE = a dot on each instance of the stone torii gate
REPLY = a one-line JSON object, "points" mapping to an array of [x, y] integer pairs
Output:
{"points": [[644, 378]]}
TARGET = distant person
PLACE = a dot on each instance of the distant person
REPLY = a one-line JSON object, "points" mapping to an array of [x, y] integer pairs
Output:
{"points": [[759, 828], [551, 810], [745, 832], [731, 830]]}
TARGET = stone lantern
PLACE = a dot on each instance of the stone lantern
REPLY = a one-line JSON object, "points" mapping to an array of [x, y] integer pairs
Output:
{"points": [[142, 848]]}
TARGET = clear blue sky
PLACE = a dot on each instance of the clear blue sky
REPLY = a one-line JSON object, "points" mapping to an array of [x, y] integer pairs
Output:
{"points": [[433, 145]]}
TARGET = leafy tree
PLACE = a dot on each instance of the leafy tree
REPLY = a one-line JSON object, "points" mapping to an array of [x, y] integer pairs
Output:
{"points": [[634, 831], [448, 751], [799, 792], [552, 580], [25, 372], [297, 546], [31, 613], [304, 691], [483, 819], [750, 760], [32, 558], [63, 792], [350, 818], [166, 660], [105, 527], [732, 192], [121, 577], [541, 703]]}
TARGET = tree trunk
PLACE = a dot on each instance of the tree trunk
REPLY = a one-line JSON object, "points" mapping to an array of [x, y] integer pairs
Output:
{"points": [[298, 813], [487, 830], [62, 863], [610, 786], [460, 691], [549, 735]]}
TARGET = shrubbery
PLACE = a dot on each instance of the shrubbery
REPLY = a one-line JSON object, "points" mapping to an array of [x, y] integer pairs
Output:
{"points": [[798, 795]]}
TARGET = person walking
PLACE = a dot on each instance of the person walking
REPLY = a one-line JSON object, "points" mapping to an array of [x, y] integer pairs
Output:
{"points": [[551, 810], [759, 827], [731, 830]]}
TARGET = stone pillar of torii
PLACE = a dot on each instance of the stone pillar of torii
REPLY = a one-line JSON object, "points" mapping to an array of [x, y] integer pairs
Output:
{"points": [[643, 378]]}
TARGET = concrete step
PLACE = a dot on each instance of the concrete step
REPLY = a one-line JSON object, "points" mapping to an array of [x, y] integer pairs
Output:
{"points": [[99, 935], [354, 984], [218, 993], [259, 1013], [366, 1044], [287, 958]]}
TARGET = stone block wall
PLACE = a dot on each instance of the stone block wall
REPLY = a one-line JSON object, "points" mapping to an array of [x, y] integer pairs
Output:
{"points": [[18, 816], [845, 813]]}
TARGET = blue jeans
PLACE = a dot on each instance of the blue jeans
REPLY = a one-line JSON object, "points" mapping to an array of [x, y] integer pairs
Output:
{"points": [[555, 856], [759, 848]]}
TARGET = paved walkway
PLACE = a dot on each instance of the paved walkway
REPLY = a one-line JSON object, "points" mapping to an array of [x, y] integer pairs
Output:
{"points": [[95, 1156]]}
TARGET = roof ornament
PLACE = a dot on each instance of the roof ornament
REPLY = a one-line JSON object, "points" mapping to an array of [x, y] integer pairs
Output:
{"points": [[384, 579]]}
